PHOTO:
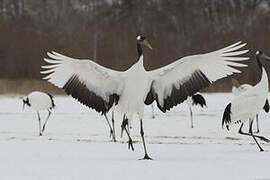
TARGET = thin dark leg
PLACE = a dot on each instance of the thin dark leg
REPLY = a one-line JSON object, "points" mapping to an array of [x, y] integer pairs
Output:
{"points": [[128, 126], [257, 122], [39, 123], [124, 127], [240, 129], [130, 142], [124, 124], [113, 127], [247, 134], [261, 149], [111, 130], [191, 117], [44, 125], [249, 122], [146, 156]]}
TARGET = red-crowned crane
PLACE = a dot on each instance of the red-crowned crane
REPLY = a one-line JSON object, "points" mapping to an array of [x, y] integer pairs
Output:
{"points": [[196, 99], [40, 101], [246, 105], [100, 88], [238, 89]]}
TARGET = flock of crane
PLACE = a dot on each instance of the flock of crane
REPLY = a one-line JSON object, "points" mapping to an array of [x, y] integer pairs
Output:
{"points": [[104, 89]]}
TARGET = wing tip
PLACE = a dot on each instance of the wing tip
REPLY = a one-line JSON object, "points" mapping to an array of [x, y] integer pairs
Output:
{"points": [[49, 54], [234, 47]]}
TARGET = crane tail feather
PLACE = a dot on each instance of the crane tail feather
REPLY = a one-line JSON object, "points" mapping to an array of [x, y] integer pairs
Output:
{"points": [[226, 119]]}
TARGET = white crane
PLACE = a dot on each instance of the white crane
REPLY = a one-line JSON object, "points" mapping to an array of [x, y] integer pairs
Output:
{"points": [[194, 100], [238, 89], [100, 88], [40, 101], [246, 105]]}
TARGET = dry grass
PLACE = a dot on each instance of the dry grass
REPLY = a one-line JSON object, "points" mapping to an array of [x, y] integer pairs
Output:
{"points": [[24, 86]]}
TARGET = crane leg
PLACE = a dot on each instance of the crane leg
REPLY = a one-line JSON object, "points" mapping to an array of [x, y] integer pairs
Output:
{"points": [[248, 134], [39, 123], [111, 130], [250, 126], [124, 127], [261, 149], [257, 123], [113, 127], [44, 125], [146, 156], [191, 117]]}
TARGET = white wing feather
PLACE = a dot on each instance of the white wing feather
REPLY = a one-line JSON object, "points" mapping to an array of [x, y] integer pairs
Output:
{"points": [[214, 65], [98, 79]]}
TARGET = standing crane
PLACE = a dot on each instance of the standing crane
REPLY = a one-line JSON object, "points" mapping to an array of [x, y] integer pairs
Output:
{"points": [[100, 88], [40, 101], [246, 105], [196, 99], [238, 89]]}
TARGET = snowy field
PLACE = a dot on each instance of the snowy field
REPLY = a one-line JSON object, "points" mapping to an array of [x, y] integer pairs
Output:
{"points": [[76, 145]]}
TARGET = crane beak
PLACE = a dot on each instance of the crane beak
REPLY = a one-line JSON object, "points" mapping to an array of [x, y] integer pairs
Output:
{"points": [[147, 44], [235, 83], [265, 56]]}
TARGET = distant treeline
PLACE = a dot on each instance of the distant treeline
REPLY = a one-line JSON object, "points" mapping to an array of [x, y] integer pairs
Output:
{"points": [[105, 31]]}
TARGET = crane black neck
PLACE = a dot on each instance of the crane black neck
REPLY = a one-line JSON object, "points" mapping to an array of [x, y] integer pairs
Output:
{"points": [[259, 62], [27, 102], [139, 49]]}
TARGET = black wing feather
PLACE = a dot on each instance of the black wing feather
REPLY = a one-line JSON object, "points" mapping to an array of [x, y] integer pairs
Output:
{"points": [[226, 119], [79, 91], [198, 99], [195, 83], [266, 106]]}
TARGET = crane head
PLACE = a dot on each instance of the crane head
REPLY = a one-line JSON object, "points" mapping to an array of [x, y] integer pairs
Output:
{"points": [[142, 40], [235, 83], [260, 54], [25, 101]]}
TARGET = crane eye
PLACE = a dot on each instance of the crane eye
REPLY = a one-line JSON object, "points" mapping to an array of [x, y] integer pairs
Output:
{"points": [[140, 37]]}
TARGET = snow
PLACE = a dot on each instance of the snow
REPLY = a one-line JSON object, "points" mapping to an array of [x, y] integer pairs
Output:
{"points": [[76, 144]]}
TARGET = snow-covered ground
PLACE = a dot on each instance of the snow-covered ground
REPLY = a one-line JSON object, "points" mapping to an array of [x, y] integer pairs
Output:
{"points": [[76, 145]]}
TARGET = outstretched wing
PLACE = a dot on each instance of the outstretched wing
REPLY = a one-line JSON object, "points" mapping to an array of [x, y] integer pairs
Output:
{"points": [[173, 83], [91, 84]]}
